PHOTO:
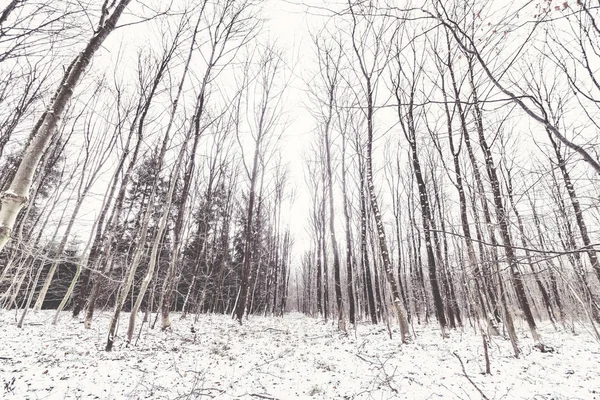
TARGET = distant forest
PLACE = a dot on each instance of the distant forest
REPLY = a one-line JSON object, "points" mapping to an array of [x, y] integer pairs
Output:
{"points": [[451, 169]]}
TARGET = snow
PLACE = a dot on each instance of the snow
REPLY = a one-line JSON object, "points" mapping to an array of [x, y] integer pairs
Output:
{"points": [[294, 357]]}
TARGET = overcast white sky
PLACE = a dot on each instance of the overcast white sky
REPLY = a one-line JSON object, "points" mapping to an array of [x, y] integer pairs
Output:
{"points": [[288, 25]]}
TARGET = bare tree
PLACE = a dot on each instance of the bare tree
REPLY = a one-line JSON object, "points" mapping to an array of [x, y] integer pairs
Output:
{"points": [[264, 116], [329, 57]]}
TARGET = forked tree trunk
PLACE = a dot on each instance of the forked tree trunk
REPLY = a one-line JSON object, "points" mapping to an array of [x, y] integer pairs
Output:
{"points": [[126, 287], [138, 125], [265, 106], [169, 284], [501, 294], [96, 247]]}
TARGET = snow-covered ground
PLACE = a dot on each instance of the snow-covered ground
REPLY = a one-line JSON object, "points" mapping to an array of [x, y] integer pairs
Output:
{"points": [[293, 357]]}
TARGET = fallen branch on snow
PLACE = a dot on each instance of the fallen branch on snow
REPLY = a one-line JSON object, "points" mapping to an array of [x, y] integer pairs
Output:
{"points": [[469, 378], [263, 396]]}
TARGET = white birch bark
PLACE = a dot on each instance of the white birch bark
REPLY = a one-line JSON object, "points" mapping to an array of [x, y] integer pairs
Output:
{"points": [[17, 195]]}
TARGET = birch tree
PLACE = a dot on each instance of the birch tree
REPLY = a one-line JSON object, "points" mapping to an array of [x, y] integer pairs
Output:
{"points": [[17, 195]]}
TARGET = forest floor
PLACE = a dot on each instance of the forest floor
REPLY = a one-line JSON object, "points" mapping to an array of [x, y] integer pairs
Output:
{"points": [[294, 357]]}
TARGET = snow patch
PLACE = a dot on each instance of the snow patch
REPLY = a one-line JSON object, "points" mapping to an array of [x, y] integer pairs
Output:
{"points": [[295, 357]]}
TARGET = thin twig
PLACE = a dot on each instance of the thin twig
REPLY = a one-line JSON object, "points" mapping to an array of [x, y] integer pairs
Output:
{"points": [[263, 396], [467, 376]]}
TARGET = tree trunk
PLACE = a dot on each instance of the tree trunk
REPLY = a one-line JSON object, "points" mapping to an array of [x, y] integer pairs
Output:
{"points": [[349, 254], [365, 264], [334, 245], [385, 255]]}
